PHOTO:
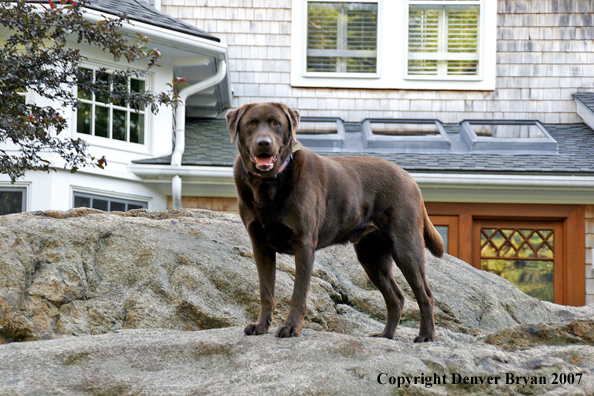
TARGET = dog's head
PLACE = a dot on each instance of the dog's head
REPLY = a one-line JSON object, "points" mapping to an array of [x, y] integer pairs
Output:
{"points": [[265, 133]]}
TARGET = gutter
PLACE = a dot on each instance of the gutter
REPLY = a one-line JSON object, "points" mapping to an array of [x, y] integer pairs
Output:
{"points": [[502, 181], [180, 128], [157, 34], [222, 174], [429, 180]]}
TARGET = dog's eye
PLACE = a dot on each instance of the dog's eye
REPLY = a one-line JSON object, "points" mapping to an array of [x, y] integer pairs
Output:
{"points": [[252, 124], [275, 123]]}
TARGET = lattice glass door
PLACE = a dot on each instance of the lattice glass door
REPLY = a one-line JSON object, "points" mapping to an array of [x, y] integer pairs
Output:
{"points": [[524, 253]]}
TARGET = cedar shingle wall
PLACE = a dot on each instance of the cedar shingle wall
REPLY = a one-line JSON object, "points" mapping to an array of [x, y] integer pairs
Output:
{"points": [[589, 254], [545, 52]]}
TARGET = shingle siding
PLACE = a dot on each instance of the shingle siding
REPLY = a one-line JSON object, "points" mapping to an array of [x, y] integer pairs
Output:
{"points": [[545, 52]]}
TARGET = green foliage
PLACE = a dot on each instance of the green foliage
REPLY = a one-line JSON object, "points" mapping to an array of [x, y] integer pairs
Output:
{"points": [[35, 56]]}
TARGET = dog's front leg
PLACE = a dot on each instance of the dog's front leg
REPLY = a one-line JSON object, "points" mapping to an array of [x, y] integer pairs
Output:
{"points": [[266, 263], [304, 258]]}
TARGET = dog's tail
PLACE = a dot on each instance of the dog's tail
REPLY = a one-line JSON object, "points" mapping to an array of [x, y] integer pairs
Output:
{"points": [[433, 240]]}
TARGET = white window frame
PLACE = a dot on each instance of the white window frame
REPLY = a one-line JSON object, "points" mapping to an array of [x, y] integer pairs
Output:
{"points": [[392, 48], [24, 187], [108, 196], [108, 142], [346, 75]]}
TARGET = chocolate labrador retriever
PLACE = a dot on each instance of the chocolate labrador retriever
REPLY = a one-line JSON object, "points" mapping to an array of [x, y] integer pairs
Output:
{"points": [[293, 201]]}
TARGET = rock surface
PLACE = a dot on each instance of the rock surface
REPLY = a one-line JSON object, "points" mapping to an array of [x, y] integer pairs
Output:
{"points": [[130, 285], [225, 362], [89, 272]]}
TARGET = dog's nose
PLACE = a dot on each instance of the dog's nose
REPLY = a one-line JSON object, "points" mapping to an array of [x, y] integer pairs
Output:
{"points": [[264, 142]]}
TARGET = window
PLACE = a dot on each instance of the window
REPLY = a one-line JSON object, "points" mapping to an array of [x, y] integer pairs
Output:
{"points": [[100, 117], [106, 204], [387, 44], [342, 37], [524, 256], [537, 247], [443, 40], [12, 200]]}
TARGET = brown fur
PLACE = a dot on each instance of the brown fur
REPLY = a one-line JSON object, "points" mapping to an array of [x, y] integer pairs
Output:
{"points": [[316, 202]]}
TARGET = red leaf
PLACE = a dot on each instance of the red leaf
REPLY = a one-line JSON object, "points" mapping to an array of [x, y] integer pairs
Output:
{"points": [[52, 4]]}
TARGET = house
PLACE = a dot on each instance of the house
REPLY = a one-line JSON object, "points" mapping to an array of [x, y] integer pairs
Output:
{"points": [[488, 104], [123, 135]]}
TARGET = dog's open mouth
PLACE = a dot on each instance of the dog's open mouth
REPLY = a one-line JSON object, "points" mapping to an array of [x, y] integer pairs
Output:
{"points": [[264, 162]]}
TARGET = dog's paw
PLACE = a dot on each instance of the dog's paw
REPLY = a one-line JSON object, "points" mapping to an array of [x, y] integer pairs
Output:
{"points": [[425, 338], [288, 331], [255, 329]]}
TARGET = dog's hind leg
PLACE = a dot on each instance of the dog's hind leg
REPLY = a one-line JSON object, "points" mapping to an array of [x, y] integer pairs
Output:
{"points": [[410, 258], [374, 253]]}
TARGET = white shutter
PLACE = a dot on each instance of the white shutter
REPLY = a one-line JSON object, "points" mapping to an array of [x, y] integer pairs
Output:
{"points": [[443, 40]]}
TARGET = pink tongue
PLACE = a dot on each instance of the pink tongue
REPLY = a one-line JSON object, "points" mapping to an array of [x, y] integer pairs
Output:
{"points": [[264, 161]]}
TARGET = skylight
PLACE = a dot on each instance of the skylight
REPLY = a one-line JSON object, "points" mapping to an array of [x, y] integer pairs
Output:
{"points": [[321, 133], [507, 136], [405, 135]]}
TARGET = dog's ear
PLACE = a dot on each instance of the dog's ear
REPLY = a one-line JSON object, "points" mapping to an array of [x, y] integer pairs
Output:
{"points": [[293, 116], [233, 118]]}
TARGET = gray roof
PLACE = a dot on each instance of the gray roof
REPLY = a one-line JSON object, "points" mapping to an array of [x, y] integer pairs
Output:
{"points": [[208, 144], [141, 11], [586, 98]]}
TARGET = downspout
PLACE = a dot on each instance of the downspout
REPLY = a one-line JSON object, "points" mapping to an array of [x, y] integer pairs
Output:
{"points": [[180, 127]]}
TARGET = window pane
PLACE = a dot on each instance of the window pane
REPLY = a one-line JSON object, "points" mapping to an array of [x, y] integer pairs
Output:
{"points": [[101, 121], [322, 64], [443, 231], [462, 29], [87, 77], [119, 124], [422, 67], [134, 206], [137, 128], [120, 85], [361, 26], [137, 86], [404, 129], [11, 202], [83, 119], [322, 25], [361, 65], [82, 202], [117, 206], [423, 29], [534, 278], [103, 80], [100, 204]]}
